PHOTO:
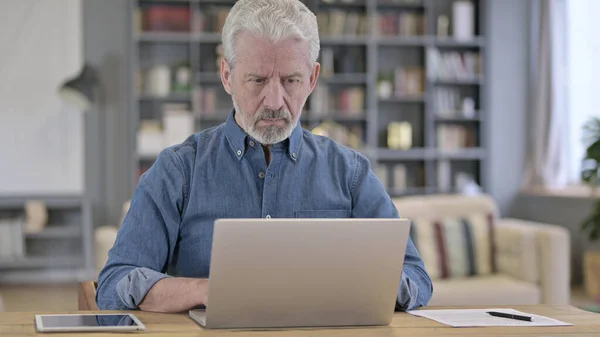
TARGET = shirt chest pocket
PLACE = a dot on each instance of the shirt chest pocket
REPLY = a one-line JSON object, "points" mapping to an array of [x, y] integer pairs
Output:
{"points": [[322, 213]]}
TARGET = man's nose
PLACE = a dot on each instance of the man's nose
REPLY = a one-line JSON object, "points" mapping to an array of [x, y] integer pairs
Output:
{"points": [[273, 95]]}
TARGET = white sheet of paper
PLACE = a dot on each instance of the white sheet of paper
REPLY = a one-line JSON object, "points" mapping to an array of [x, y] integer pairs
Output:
{"points": [[461, 318]]}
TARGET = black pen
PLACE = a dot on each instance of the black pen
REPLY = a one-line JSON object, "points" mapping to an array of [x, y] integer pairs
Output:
{"points": [[511, 316]]}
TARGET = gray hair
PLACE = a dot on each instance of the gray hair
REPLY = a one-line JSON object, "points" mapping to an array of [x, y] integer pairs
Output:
{"points": [[275, 19]]}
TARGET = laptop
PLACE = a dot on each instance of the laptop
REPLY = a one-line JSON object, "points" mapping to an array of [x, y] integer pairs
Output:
{"points": [[282, 273]]}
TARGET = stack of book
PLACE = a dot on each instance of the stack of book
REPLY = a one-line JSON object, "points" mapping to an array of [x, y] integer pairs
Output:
{"points": [[162, 80], [337, 22], [447, 101], [401, 24], [205, 102], [162, 18], [455, 137], [178, 124], [409, 81], [210, 20], [398, 181], [12, 242], [450, 103], [341, 61], [349, 101], [453, 65]]}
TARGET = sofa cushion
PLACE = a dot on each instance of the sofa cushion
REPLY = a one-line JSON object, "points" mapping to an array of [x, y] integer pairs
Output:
{"points": [[456, 246], [493, 290]]}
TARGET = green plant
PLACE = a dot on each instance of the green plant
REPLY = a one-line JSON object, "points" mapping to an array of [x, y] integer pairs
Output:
{"points": [[590, 174]]}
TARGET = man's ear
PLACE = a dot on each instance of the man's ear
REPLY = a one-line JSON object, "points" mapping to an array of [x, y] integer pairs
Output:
{"points": [[314, 76], [226, 72]]}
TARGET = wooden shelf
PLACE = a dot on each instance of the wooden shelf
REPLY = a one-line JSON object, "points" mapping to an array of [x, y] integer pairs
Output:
{"points": [[212, 120], [377, 54], [51, 201], [458, 81], [165, 37], [477, 42], [57, 232], [400, 41], [346, 79], [41, 262], [462, 154], [151, 2], [209, 77], [336, 117], [342, 4], [475, 119], [179, 37], [412, 154], [416, 5], [352, 40], [213, 38], [404, 99], [216, 2], [180, 98]]}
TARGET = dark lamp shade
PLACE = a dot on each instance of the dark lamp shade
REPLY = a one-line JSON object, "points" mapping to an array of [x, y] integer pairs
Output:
{"points": [[79, 91]]}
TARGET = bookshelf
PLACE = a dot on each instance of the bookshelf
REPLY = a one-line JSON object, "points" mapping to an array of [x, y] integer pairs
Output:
{"points": [[395, 76], [60, 251]]}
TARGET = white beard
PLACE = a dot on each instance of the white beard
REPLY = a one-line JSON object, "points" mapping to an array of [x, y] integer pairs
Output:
{"points": [[266, 135]]}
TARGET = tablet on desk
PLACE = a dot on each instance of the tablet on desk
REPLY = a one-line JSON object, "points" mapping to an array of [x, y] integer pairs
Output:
{"points": [[88, 323]]}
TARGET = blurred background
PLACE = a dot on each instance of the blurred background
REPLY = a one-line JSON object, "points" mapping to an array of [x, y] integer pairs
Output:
{"points": [[448, 98]]}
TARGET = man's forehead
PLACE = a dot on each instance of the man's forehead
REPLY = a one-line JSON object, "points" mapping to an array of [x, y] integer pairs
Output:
{"points": [[261, 52]]}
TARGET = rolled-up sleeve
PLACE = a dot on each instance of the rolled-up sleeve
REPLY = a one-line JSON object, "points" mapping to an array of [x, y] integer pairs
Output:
{"points": [[370, 200], [147, 238]]}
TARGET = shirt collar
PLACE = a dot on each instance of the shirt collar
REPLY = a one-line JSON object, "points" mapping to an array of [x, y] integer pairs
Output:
{"points": [[238, 139]]}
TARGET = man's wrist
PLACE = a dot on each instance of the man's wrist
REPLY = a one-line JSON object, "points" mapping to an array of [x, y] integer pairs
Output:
{"points": [[201, 286]]}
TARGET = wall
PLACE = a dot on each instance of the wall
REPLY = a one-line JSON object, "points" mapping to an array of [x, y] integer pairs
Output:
{"points": [[507, 56], [41, 138]]}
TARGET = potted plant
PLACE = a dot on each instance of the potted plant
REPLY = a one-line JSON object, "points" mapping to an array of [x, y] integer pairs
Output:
{"points": [[590, 174]]}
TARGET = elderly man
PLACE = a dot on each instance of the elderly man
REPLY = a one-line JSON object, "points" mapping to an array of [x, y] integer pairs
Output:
{"points": [[260, 163]]}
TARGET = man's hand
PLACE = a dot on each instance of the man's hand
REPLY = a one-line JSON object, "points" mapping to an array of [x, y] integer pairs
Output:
{"points": [[173, 295]]}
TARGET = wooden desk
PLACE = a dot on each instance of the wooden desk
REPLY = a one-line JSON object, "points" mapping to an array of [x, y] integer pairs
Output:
{"points": [[179, 325]]}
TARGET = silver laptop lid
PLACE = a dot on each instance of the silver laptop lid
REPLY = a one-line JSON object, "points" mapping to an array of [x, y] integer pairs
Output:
{"points": [[305, 272]]}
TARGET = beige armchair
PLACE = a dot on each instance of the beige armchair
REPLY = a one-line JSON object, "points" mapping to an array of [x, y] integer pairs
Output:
{"points": [[530, 261]]}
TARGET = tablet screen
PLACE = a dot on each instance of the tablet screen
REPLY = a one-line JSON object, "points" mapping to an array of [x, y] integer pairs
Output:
{"points": [[74, 321]]}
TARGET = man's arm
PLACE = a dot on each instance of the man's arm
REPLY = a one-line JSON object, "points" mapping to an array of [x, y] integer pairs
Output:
{"points": [[172, 295], [134, 275], [370, 200]]}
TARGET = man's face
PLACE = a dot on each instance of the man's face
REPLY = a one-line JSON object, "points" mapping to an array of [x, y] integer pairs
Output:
{"points": [[269, 85]]}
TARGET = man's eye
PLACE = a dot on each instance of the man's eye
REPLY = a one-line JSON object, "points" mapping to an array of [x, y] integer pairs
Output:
{"points": [[258, 81], [291, 80]]}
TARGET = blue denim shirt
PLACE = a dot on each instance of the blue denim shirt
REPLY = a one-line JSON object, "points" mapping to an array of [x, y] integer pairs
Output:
{"points": [[222, 172]]}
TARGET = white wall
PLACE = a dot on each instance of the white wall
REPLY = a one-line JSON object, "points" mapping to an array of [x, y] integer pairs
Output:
{"points": [[41, 140]]}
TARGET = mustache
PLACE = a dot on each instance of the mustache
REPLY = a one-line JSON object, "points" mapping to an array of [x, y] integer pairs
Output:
{"points": [[269, 114]]}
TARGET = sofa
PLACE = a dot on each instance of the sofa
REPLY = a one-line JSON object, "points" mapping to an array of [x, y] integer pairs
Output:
{"points": [[506, 262]]}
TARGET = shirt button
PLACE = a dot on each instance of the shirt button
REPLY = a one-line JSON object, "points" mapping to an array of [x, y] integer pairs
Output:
{"points": [[239, 152], [251, 143], [268, 216], [294, 155], [261, 175]]}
